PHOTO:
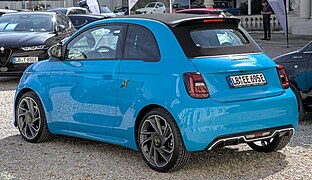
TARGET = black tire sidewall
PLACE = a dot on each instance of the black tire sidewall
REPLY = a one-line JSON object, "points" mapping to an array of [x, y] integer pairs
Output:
{"points": [[42, 115], [177, 138]]}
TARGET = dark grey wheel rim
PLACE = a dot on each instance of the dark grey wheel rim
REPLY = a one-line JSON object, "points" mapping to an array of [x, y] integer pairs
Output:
{"points": [[28, 117], [264, 142], [156, 141]]}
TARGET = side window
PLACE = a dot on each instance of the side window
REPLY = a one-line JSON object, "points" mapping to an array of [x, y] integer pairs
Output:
{"points": [[96, 43], [309, 48], [160, 5], [62, 20], [72, 11], [80, 11], [141, 44]]}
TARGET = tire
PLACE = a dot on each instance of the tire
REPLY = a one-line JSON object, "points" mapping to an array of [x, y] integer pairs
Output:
{"points": [[301, 109], [160, 142], [31, 119], [270, 145]]}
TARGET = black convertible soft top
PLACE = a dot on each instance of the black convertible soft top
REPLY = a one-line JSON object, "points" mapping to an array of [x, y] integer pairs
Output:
{"points": [[175, 19], [183, 24]]}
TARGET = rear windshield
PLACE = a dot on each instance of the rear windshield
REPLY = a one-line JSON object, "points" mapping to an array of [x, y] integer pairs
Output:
{"points": [[217, 38], [213, 39]]}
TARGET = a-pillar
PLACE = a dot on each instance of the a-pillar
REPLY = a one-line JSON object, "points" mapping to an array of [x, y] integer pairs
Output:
{"points": [[303, 26], [208, 3]]}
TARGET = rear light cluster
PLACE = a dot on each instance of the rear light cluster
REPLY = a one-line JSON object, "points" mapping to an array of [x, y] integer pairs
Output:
{"points": [[195, 85], [283, 76]]}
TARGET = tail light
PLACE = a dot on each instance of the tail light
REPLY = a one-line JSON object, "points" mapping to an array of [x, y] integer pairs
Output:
{"points": [[195, 85], [283, 76]]}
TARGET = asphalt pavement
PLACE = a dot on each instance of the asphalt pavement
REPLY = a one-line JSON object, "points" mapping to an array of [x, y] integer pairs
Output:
{"points": [[278, 46]]}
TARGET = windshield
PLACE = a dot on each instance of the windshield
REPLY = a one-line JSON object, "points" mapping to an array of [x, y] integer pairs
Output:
{"points": [[150, 5], [105, 9], [26, 22]]}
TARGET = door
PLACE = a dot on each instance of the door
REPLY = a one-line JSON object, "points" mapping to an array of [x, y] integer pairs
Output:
{"points": [[83, 87], [137, 74], [308, 50]]}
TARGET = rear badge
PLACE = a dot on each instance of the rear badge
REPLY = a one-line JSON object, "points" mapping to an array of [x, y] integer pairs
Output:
{"points": [[242, 58]]}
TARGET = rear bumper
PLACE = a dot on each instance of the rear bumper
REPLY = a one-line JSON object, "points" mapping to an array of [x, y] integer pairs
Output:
{"points": [[234, 139], [202, 126]]}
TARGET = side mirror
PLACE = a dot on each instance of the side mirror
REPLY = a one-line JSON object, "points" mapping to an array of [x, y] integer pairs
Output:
{"points": [[55, 51], [60, 28]]}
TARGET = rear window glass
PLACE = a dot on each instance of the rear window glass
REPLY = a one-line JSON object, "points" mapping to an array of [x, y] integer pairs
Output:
{"points": [[213, 39], [216, 38]]}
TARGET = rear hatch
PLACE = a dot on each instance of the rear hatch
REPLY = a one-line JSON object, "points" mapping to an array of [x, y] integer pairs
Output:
{"points": [[240, 77], [232, 64]]}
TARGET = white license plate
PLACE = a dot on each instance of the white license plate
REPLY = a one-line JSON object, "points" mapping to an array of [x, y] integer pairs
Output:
{"points": [[247, 80], [26, 60]]}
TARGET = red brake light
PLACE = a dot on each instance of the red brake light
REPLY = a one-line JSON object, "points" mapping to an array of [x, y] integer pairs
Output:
{"points": [[283, 76], [195, 85], [213, 20]]}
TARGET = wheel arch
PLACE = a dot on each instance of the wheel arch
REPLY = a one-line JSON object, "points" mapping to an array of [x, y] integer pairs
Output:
{"points": [[292, 81], [142, 113], [18, 96]]}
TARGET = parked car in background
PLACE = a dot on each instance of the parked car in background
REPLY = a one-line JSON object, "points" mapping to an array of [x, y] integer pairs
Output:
{"points": [[121, 10], [26, 36], [6, 11], [80, 20], [227, 7], [177, 7], [220, 89], [298, 65], [152, 8], [208, 11], [70, 10], [105, 11]]}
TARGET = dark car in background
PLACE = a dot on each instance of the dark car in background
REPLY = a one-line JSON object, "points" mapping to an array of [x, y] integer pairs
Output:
{"points": [[227, 7], [177, 7], [70, 10], [298, 66], [80, 20], [26, 36], [121, 10]]}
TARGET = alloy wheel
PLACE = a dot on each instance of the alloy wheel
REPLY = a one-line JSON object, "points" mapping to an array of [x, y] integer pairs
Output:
{"points": [[28, 117], [157, 140]]}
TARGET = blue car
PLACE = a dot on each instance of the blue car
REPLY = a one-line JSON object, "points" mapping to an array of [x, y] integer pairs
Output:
{"points": [[165, 85]]}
